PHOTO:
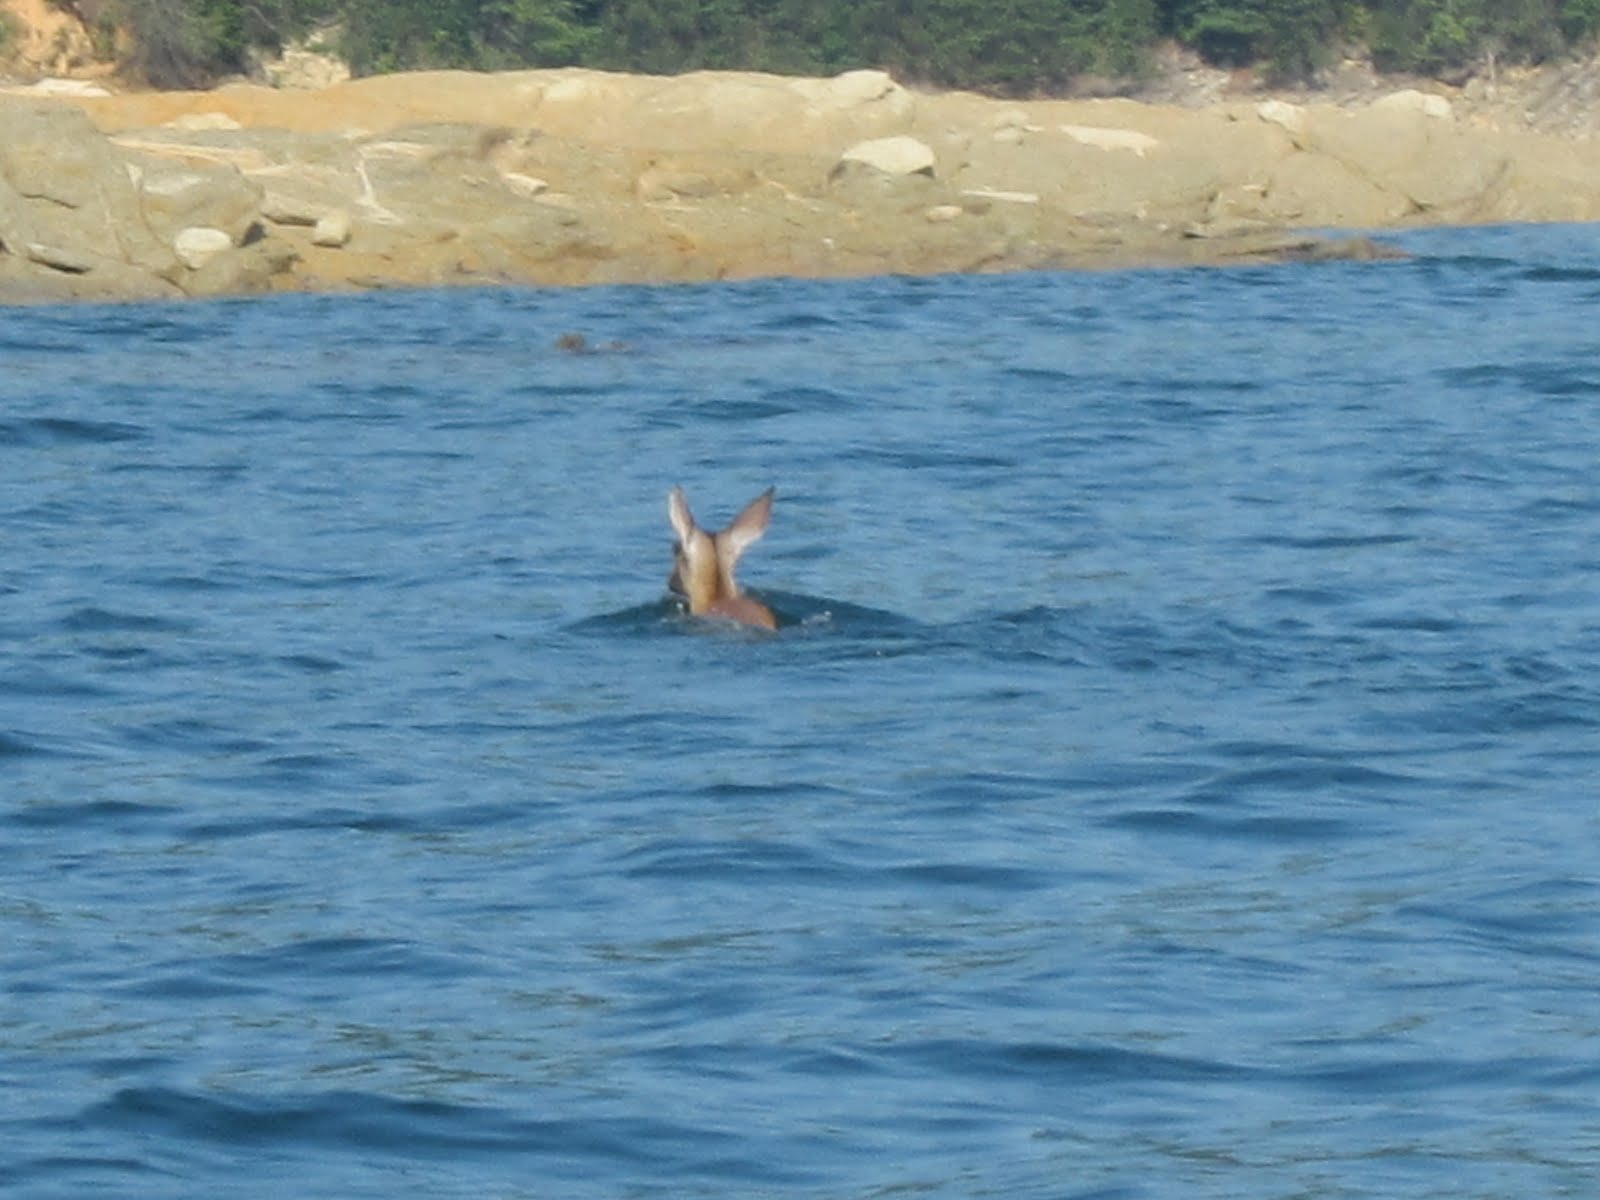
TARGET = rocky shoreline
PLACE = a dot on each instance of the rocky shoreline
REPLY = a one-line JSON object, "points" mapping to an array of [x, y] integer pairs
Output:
{"points": [[570, 177]]}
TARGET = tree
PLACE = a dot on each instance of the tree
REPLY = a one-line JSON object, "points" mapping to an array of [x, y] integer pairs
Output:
{"points": [[1002, 46], [398, 35], [191, 43]]}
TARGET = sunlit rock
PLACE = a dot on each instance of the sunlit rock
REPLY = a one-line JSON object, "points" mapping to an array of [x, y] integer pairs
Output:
{"points": [[199, 244], [899, 155]]}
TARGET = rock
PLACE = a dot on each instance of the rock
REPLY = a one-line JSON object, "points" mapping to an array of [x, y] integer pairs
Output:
{"points": [[17, 224], [252, 268], [80, 189], [203, 122], [691, 179], [1289, 117], [1320, 189], [1002, 196], [219, 197], [198, 245], [710, 110], [900, 155], [64, 87], [657, 184], [1424, 164], [1412, 101], [1111, 139], [524, 185], [58, 259], [853, 89], [1227, 227], [578, 176], [1012, 126], [50, 152], [288, 208], [332, 229], [1246, 203]]}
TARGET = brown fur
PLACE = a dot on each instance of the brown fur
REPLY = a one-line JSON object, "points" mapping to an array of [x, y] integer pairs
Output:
{"points": [[703, 562]]}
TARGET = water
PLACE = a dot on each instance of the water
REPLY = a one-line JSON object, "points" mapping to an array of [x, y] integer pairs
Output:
{"points": [[1176, 778]]}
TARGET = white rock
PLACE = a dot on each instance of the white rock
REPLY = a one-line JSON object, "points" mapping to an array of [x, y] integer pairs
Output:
{"points": [[58, 258], [1411, 100], [202, 122], [898, 155], [854, 88], [940, 213], [332, 229], [524, 185], [1004, 197], [282, 208], [65, 87], [1011, 125], [1290, 117], [1111, 139], [199, 244]]}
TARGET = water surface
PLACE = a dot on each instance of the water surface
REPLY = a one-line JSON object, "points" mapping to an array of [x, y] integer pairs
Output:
{"points": [[1175, 777]]}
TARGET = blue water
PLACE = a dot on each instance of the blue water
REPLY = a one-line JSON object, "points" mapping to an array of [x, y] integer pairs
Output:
{"points": [[1178, 775]]}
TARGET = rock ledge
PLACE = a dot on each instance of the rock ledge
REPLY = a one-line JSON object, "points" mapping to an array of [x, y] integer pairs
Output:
{"points": [[578, 176]]}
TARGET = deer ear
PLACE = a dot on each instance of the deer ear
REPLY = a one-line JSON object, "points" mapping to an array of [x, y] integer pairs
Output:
{"points": [[748, 526], [680, 516]]}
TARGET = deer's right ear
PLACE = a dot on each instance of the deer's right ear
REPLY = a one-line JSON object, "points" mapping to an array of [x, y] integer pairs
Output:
{"points": [[680, 516], [749, 525]]}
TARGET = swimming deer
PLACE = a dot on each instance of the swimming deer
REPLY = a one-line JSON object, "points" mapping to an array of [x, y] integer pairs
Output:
{"points": [[702, 569]]}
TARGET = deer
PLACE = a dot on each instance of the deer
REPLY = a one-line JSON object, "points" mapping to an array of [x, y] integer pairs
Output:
{"points": [[703, 562]]}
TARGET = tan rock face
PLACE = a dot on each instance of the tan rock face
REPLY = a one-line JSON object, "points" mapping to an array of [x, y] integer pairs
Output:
{"points": [[218, 196], [78, 192], [576, 176]]}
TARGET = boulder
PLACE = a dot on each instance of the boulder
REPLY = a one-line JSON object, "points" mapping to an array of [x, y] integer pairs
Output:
{"points": [[252, 268], [70, 188], [855, 90], [524, 184], [218, 196], [199, 244], [1101, 138], [57, 258], [24, 279], [1409, 100], [332, 229], [1291, 118], [899, 155], [1428, 165]]}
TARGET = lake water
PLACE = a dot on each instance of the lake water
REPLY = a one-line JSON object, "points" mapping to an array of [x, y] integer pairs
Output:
{"points": [[1178, 776]]}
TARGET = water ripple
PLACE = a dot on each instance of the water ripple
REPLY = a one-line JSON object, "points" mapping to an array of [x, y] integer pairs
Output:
{"points": [[1172, 775]]}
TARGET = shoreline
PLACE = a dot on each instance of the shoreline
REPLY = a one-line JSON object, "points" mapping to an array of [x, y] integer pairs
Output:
{"points": [[570, 177]]}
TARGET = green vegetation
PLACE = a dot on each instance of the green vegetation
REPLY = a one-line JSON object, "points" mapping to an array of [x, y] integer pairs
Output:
{"points": [[1009, 46]]}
